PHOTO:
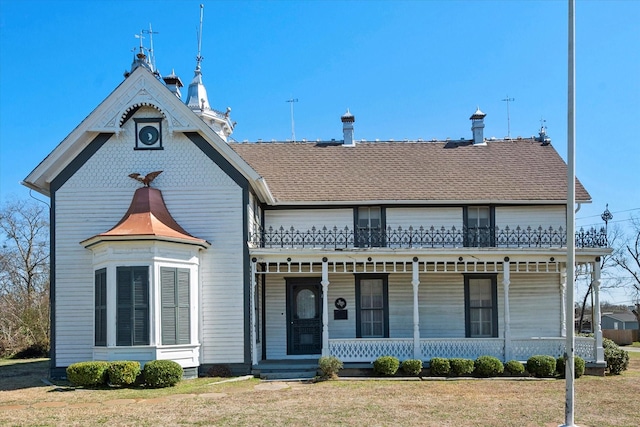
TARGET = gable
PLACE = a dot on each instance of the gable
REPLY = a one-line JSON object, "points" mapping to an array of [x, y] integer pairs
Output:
{"points": [[138, 96]]}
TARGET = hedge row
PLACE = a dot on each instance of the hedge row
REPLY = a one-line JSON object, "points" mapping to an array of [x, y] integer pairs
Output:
{"points": [[484, 366], [156, 373]]}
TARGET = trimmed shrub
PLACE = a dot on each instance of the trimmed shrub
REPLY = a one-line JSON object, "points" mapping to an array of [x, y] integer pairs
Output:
{"points": [[541, 366], [412, 367], [222, 371], [461, 367], [488, 366], [386, 365], [578, 366], [617, 360], [88, 374], [440, 366], [513, 367], [329, 366], [123, 372], [162, 373]]}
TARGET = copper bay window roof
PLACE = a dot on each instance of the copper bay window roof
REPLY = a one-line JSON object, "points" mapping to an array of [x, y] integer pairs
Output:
{"points": [[147, 219]]}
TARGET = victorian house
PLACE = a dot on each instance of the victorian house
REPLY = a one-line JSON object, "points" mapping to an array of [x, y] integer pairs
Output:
{"points": [[170, 240]]}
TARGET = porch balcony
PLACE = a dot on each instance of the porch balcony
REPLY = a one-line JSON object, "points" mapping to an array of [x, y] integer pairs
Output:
{"points": [[368, 349], [424, 237]]}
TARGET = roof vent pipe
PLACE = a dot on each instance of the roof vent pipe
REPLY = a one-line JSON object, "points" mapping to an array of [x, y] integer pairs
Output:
{"points": [[347, 128], [477, 126]]}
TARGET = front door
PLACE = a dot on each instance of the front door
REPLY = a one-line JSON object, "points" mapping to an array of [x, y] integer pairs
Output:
{"points": [[304, 316]]}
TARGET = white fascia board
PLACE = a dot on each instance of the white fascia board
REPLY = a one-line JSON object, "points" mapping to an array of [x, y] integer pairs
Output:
{"points": [[263, 191]]}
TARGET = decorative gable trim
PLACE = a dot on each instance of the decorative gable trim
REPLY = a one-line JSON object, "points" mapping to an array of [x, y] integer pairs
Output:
{"points": [[148, 93]]}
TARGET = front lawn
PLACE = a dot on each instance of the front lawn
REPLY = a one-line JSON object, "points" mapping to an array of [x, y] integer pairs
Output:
{"points": [[600, 401]]}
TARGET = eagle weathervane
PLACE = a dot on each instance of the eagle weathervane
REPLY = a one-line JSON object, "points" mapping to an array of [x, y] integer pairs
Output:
{"points": [[146, 180]]}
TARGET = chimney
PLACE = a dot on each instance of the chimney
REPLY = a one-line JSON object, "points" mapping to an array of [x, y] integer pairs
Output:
{"points": [[477, 126], [173, 83], [347, 128]]}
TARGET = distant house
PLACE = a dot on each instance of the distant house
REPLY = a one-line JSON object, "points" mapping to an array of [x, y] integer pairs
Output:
{"points": [[620, 321], [169, 240]]}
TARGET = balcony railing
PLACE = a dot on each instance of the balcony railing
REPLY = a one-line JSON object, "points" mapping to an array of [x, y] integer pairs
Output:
{"points": [[425, 237]]}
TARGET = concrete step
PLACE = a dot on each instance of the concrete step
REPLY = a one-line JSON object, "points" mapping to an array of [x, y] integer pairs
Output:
{"points": [[288, 375]]}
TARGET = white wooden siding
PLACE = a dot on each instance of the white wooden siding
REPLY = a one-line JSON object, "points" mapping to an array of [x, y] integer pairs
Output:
{"points": [[200, 197], [441, 303], [276, 317], [305, 219], [535, 305], [426, 217], [531, 216]]}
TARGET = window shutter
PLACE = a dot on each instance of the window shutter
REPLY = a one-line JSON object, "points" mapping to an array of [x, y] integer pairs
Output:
{"points": [[101, 307], [184, 315], [175, 298], [141, 307], [132, 311], [168, 292], [124, 306]]}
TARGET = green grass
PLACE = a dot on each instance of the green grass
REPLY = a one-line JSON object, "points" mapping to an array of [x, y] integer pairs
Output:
{"points": [[600, 401]]}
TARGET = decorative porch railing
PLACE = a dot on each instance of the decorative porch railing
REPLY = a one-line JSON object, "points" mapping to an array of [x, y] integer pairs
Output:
{"points": [[368, 350], [523, 349], [469, 348], [425, 237]]}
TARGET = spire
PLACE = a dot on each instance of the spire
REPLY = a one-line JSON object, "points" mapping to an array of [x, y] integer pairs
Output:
{"points": [[197, 94], [198, 101]]}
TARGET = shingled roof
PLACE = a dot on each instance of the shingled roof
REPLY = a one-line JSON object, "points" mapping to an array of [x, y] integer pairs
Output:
{"points": [[500, 171]]}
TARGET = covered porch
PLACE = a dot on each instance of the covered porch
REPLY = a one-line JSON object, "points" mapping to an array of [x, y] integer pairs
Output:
{"points": [[427, 307]]}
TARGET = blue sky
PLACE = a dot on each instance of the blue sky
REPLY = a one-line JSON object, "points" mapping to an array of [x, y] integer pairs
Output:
{"points": [[405, 69]]}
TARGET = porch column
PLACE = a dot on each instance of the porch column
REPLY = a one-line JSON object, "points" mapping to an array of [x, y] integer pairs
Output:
{"points": [[506, 281], [597, 328], [415, 281], [563, 297], [254, 287], [325, 307]]}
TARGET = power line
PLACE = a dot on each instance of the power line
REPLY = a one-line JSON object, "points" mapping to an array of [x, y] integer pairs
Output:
{"points": [[617, 212], [600, 224]]}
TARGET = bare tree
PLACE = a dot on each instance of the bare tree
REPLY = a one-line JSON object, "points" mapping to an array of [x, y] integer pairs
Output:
{"points": [[24, 276], [608, 279], [627, 257]]}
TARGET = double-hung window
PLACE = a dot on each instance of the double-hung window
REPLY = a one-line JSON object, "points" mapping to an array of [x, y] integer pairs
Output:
{"points": [[481, 306], [372, 306], [478, 226], [369, 227], [132, 306]]}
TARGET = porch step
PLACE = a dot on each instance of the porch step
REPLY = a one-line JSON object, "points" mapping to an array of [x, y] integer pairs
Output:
{"points": [[286, 369]]}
